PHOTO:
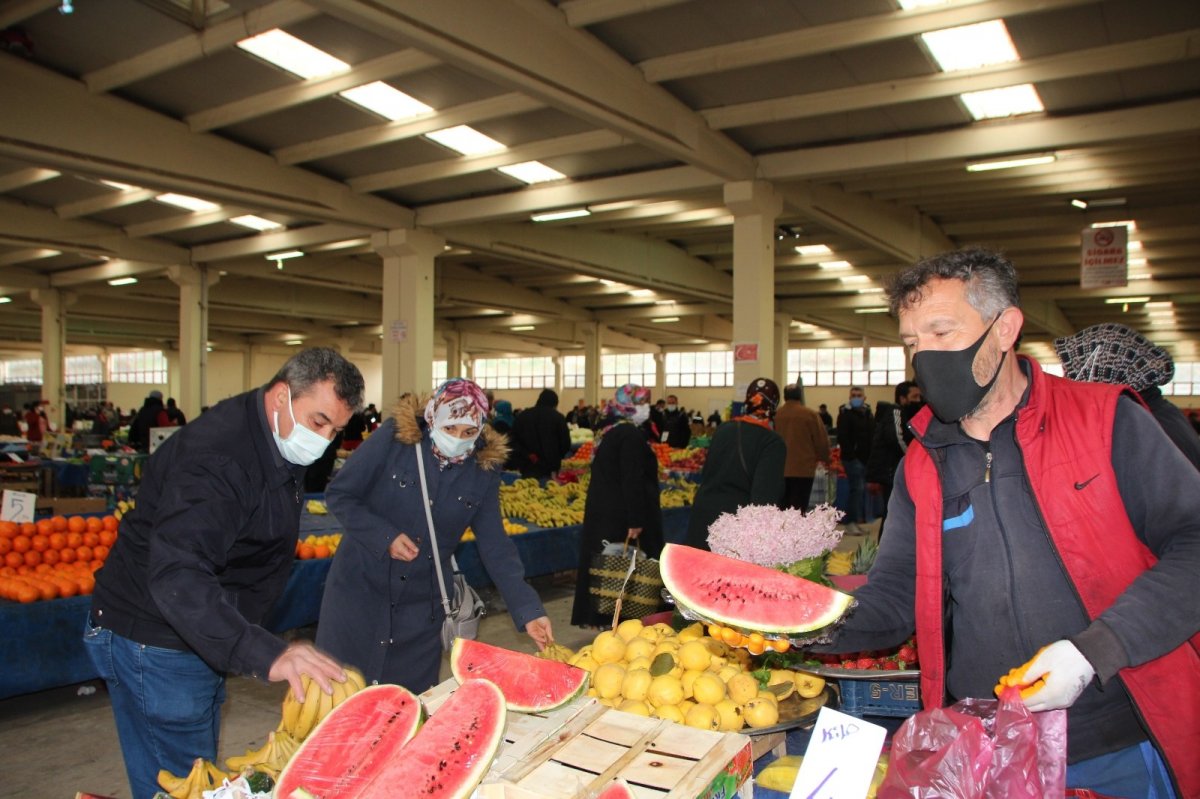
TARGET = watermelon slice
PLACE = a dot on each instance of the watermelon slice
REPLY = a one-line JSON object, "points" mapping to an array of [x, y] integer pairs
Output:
{"points": [[745, 595], [343, 751], [617, 789], [529, 684], [452, 752]]}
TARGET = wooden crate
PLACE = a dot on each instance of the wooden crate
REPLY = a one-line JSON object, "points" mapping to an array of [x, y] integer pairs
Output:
{"points": [[572, 752]]}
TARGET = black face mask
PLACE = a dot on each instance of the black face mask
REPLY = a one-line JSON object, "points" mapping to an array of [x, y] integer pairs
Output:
{"points": [[948, 382]]}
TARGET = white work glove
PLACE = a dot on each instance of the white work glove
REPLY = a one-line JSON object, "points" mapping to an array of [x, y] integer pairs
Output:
{"points": [[1065, 673]]}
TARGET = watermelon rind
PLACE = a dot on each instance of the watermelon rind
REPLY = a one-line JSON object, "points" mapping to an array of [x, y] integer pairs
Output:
{"points": [[617, 789], [529, 684], [746, 595], [452, 752], [357, 736]]}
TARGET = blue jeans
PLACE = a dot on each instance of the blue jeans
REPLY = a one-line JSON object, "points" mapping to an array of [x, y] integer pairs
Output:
{"points": [[167, 705], [1137, 772], [856, 505]]}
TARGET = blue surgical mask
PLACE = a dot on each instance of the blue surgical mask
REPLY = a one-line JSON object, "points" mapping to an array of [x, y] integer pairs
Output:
{"points": [[451, 446], [856, 402], [303, 446]]}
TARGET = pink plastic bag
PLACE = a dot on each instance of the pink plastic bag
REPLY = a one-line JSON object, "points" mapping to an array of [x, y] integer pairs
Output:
{"points": [[979, 749]]}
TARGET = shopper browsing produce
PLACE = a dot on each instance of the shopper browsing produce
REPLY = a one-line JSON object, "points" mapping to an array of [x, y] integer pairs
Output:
{"points": [[1063, 524], [382, 610], [202, 558]]}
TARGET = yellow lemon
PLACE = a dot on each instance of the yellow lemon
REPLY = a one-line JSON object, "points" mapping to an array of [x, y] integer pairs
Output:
{"points": [[649, 633], [708, 689], [668, 712], [760, 713], [638, 663], [639, 648], [730, 671], [584, 661], [808, 685], [716, 647], [635, 706], [685, 706], [763, 693], [703, 717], [730, 713], [692, 633], [784, 678], [694, 656], [608, 648], [664, 645], [665, 690], [608, 680], [629, 629], [716, 663], [636, 684], [742, 687], [689, 680]]}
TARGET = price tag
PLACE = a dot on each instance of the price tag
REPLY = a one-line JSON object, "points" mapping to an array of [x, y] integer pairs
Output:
{"points": [[840, 758], [17, 506]]}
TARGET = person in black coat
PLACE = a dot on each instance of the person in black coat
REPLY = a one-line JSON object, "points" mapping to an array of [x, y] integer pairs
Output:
{"points": [[622, 498], [677, 427], [152, 414], [855, 429], [540, 438]]}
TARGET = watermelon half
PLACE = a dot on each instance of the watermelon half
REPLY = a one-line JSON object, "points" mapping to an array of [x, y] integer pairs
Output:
{"points": [[452, 752], [342, 752], [617, 789], [745, 595], [529, 684]]}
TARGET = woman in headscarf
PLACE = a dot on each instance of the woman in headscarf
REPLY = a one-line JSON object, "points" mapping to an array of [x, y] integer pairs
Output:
{"points": [[622, 497], [382, 610], [744, 465]]}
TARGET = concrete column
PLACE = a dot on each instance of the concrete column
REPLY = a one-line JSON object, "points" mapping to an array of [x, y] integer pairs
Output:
{"points": [[193, 282], [408, 260], [783, 331], [454, 366], [248, 368], [755, 206], [660, 376], [558, 377], [591, 362], [54, 340]]}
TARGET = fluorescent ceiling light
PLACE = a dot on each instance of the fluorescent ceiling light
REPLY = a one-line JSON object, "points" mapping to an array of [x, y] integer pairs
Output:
{"points": [[641, 292], [186, 202], [1125, 300], [521, 328], [1011, 163], [1080, 204], [608, 282], [664, 302], [813, 249], [531, 172], [466, 140], [1129, 223], [113, 184], [294, 342], [871, 290], [1009, 101], [386, 100], [294, 55], [4, 300], [870, 310], [553, 216], [255, 222], [663, 319], [284, 255], [970, 46], [1163, 314], [122, 281], [908, 5], [1135, 245], [1160, 304], [834, 266], [853, 279], [619, 205]]}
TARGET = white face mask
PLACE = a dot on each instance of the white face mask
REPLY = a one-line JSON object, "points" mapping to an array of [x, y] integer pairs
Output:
{"points": [[451, 446], [303, 446], [641, 413], [672, 408]]}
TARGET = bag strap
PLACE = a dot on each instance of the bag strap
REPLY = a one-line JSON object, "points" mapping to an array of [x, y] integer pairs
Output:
{"points": [[437, 560], [741, 457], [628, 576]]}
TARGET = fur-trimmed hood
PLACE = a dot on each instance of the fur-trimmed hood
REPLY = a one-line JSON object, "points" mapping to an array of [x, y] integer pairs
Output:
{"points": [[409, 413]]}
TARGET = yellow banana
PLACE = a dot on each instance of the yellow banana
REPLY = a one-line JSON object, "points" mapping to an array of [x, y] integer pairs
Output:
{"points": [[291, 712], [308, 711], [168, 781], [354, 676], [325, 705]]}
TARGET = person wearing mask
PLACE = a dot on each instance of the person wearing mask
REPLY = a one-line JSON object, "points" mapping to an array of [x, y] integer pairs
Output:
{"points": [[175, 417], [677, 427], [655, 426], [807, 445], [580, 415], [382, 609], [1112, 353], [540, 438], [890, 442], [152, 414], [622, 498], [744, 465], [201, 560], [9, 425], [855, 428], [1039, 525]]}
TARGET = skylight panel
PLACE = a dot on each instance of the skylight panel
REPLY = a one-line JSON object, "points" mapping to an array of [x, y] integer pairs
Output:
{"points": [[531, 172], [970, 46], [186, 202], [570, 213], [386, 100], [910, 4], [255, 222], [294, 55], [1006, 102], [813, 249], [466, 140]]}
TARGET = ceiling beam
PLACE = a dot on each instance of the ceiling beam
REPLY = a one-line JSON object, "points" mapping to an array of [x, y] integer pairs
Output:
{"points": [[117, 267], [123, 141], [187, 221], [836, 36], [27, 255], [37, 227], [263, 243], [659, 311], [21, 178], [581, 13], [195, 46], [114, 198], [527, 46], [466, 285]]}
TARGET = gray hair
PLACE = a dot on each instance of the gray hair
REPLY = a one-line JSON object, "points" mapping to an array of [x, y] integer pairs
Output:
{"points": [[990, 277], [317, 365]]}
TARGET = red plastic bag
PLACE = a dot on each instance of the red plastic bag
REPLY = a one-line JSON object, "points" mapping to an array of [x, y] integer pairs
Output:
{"points": [[979, 749]]}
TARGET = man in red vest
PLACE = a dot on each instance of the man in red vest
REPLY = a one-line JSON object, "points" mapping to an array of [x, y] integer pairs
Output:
{"points": [[1043, 522]]}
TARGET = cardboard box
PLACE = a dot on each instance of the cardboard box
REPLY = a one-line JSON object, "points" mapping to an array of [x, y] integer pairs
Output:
{"points": [[76, 506]]}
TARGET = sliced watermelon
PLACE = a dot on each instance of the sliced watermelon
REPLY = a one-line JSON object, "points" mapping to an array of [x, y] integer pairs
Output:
{"points": [[452, 752], [529, 684], [617, 789], [342, 752], [745, 595]]}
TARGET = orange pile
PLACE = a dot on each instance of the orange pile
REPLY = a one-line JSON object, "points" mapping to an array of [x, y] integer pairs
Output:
{"points": [[53, 557], [756, 643], [306, 551]]}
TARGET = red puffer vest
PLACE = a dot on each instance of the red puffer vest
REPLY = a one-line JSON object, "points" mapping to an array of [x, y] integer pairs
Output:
{"points": [[1065, 435]]}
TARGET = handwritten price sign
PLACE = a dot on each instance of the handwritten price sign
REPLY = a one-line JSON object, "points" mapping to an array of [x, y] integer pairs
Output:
{"points": [[840, 758]]}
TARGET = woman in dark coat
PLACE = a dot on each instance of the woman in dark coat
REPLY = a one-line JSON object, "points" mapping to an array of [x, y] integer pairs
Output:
{"points": [[382, 610], [744, 465], [622, 497]]}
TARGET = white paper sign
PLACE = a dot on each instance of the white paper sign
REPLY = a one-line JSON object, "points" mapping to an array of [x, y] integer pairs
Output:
{"points": [[1104, 257], [840, 759], [398, 332], [17, 506]]}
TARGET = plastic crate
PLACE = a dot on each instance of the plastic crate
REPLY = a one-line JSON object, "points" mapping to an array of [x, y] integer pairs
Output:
{"points": [[899, 698], [115, 469]]}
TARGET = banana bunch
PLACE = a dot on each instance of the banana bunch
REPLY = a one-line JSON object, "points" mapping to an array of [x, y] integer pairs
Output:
{"points": [[300, 719], [204, 776], [556, 652], [271, 757], [556, 505], [839, 562], [123, 507]]}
